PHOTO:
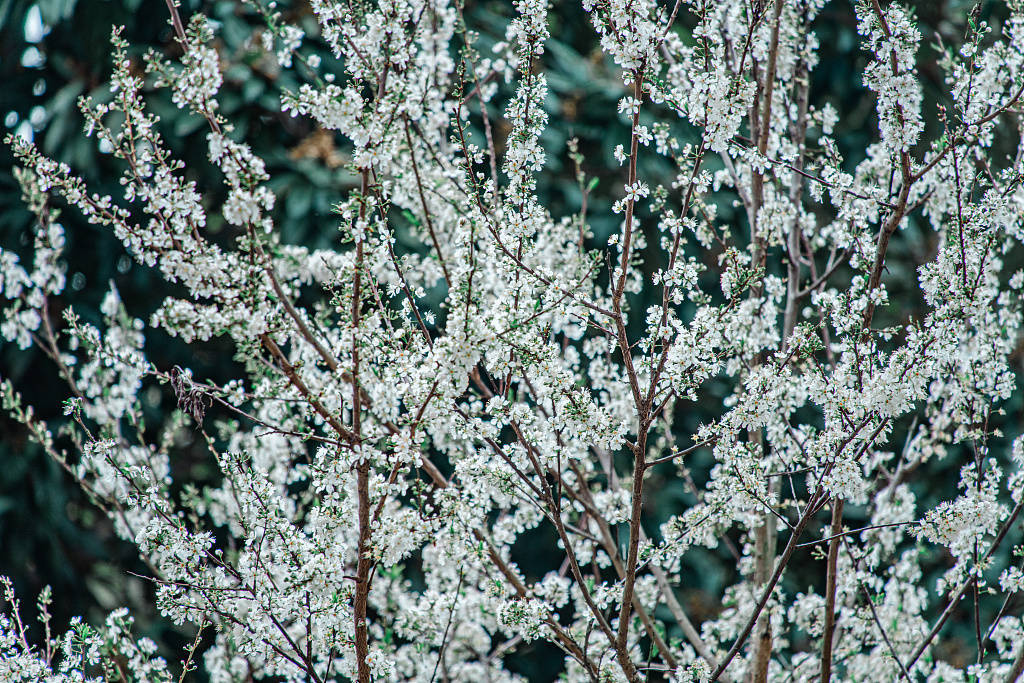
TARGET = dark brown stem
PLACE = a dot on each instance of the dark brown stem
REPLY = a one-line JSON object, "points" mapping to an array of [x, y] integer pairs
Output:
{"points": [[643, 408], [874, 615], [809, 511], [634, 545], [907, 179], [423, 204], [620, 285], [607, 541], [954, 599]]}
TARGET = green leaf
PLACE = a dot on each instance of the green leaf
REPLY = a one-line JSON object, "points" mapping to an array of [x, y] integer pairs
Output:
{"points": [[53, 11]]}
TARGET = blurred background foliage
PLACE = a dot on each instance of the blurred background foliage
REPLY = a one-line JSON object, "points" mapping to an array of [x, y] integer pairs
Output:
{"points": [[54, 51]]}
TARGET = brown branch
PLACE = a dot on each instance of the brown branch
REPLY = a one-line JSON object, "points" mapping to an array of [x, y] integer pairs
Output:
{"points": [[780, 566], [955, 598]]}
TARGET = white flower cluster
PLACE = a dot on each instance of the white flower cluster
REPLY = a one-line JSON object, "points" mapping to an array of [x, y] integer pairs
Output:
{"points": [[893, 38], [467, 377], [83, 654]]}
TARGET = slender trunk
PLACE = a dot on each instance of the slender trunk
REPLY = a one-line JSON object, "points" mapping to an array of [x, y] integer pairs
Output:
{"points": [[830, 590], [362, 473], [765, 546], [765, 540]]}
